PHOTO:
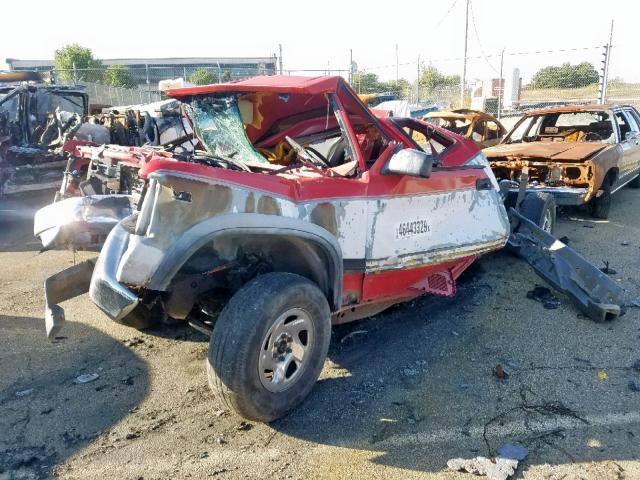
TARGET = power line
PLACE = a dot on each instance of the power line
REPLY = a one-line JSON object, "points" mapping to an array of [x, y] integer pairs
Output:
{"points": [[491, 55], [475, 29], [444, 16]]}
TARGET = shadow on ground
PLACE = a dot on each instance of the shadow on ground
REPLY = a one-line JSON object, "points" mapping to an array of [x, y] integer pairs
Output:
{"points": [[45, 416], [16, 221], [416, 385]]}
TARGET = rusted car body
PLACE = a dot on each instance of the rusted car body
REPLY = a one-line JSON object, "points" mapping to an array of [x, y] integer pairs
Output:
{"points": [[480, 127], [580, 154]]}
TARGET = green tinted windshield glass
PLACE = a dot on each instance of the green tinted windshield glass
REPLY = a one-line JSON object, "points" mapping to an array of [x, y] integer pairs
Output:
{"points": [[218, 123]]}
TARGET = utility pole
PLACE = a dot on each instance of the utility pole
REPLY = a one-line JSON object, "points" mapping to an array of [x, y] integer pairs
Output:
{"points": [[280, 58], [397, 76], [463, 79], [350, 65], [418, 83], [604, 75], [501, 85]]}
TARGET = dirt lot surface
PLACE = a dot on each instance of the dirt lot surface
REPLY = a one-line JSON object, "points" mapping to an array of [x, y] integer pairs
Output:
{"points": [[412, 388]]}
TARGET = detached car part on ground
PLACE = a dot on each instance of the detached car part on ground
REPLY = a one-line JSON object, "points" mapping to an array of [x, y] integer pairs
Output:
{"points": [[580, 154], [302, 210], [483, 129]]}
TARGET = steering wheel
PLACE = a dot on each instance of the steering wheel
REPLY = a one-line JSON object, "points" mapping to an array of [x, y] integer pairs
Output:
{"points": [[592, 137], [306, 154]]}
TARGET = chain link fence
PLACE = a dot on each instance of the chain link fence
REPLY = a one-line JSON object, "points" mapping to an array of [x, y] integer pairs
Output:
{"points": [[117, 85], [504, 83]]}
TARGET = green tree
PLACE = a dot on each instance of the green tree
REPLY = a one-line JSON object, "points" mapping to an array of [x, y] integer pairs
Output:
{"points": [[226, 76], [203, 76], [119, 76], [565, 76], [75, 57], [431, 78], [366, 83], [400, 87]]}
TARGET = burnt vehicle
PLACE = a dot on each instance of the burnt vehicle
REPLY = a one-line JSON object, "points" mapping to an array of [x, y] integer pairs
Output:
{"points": [[36, 122], [297, 210], [580, 154], [480, 127]]}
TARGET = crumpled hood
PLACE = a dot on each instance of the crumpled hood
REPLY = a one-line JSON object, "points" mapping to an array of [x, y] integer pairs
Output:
{"points": [[547, 150]]}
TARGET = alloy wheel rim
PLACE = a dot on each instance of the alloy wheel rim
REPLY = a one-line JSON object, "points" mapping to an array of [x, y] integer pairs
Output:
{"points": [[285, 350]]}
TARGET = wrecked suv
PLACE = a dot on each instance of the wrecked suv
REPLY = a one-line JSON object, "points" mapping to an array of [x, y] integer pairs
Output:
{"points": [[581, 154], [298, 210]]}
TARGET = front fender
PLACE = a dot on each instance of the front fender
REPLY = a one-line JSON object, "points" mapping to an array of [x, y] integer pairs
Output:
{"points": [[190, 241]]}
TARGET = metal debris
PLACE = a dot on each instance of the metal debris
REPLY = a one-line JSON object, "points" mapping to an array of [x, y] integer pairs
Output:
{"points": [[24, 393], [634, 385], [606, 269], [350, 335], [593, 292], [499, 468], [243, 426], [86, 378], [544, 296], [500, 372]]}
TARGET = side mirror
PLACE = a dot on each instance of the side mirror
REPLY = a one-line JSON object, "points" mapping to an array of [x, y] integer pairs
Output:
{"points": [[408, 161]]}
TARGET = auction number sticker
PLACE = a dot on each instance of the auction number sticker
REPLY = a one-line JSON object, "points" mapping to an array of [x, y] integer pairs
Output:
{"points": [[412, 228]]}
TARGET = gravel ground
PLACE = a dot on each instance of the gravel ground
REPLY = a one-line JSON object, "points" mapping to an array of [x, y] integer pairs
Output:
{"points": [[414, 388]]}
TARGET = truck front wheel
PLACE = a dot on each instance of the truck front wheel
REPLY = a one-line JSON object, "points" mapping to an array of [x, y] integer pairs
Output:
{"points": [[269, 345]]}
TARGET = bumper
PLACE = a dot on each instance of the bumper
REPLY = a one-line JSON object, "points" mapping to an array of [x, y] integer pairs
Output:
{"points": [[110, 296], [80, 223], [62, 286], [593, 292], [562, 195]]}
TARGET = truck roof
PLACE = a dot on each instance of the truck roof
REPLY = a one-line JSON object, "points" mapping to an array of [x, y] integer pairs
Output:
{"points": [[267, 83]]}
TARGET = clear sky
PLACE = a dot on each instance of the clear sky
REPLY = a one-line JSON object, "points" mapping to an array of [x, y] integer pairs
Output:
{"points": [[318, 35]]}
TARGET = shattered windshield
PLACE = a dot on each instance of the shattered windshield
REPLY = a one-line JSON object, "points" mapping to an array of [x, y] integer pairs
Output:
{"points": [[217, 122], [580, 126]]}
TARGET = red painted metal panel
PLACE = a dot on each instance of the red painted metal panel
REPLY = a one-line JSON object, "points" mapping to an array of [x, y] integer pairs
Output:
{"points": [[408, 281]]}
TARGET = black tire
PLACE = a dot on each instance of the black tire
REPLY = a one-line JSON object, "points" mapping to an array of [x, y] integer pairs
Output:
{"points": [[540, 208], [600, 206], [635, 183], [241, 336]]}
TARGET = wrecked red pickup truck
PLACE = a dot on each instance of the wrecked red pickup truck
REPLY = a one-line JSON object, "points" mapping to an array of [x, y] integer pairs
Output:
{"points": [[297, 209], [277, 238]]}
